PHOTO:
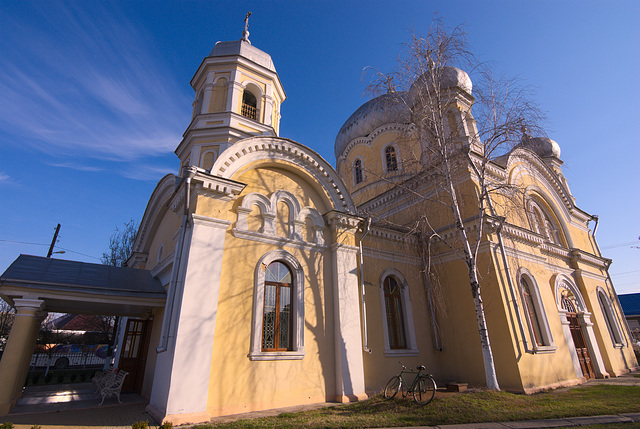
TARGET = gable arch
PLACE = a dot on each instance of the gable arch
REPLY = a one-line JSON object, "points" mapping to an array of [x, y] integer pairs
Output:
{"points": [[260, 151], [154, 212], [522, 162]]}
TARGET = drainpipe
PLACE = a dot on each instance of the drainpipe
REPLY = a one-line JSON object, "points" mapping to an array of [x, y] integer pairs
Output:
{"points": [[512, 291], [171, 295], [365, 345], [595, 218]]}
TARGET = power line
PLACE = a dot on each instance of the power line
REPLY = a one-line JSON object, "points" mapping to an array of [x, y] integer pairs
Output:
{"points": [[44, 244]]}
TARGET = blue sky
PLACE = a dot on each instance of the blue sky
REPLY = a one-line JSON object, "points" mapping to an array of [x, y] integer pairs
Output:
{"points": [[94, 98]]}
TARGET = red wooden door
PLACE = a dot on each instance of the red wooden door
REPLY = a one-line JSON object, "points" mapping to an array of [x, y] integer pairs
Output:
{"points": [[134, 353], [581, 346]]}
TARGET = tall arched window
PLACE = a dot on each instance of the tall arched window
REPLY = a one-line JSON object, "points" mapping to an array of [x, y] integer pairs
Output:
{"points": [[276, 325], [249, 105], [536, 317], [610, 320], [543, 224], [357, 171], [391, 158], [395, 319], [531, 312]]}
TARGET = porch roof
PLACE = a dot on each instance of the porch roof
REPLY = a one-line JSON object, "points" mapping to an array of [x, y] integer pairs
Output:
{"points": [[81, 287]]}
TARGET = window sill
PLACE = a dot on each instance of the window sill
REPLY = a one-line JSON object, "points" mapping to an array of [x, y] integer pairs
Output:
{"points": [[401, 352], [292, 355], [541, 350]]}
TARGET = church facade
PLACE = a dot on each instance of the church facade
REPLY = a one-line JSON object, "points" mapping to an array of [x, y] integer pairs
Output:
{"points": [[289, 281], [293, 282]]}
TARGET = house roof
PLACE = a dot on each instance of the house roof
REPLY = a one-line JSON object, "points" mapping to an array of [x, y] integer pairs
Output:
{"points": [[630, 304], [80, 287]]}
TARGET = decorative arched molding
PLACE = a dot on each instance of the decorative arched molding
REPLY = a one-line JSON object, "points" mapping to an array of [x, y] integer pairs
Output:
{"points": [[153, 213], [287, 154], [404, 129], [297, 333], [407, 315], [524, 162], [264, 204], [563, 281], [318, 223], [268, 208], [608, 313], [547, 346]]}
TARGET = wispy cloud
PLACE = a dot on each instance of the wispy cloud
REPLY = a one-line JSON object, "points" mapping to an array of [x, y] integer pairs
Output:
{"points": [[84, 85], [3, 177], [79, 167]]}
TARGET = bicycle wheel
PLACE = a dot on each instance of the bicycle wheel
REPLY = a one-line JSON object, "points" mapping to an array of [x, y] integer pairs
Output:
{"points": [[424, 391], [392, 387]]}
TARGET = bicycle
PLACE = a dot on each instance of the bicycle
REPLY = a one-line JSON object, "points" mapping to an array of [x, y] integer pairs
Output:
{"points": [[423, 386]]}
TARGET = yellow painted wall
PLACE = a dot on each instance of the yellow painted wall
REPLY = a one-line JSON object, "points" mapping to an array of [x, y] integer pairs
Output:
{"points": [[238, 384]]}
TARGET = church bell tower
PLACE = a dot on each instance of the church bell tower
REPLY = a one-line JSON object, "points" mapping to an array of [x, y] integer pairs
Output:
{"points": [[238, 94]]}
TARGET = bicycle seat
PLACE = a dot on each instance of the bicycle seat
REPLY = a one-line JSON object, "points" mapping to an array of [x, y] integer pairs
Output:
{"points": [[421, 368]]}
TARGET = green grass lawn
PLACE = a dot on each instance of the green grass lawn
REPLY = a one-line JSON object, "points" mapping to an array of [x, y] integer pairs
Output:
{"points": [[467, 407]]}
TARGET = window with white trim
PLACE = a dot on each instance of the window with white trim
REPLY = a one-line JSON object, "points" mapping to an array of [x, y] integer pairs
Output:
{"points": [[278, 308], [533, 308], [397, 315], [610, 320]]}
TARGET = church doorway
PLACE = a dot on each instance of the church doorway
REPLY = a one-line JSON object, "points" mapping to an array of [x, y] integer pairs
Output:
{"points": [[133, 356], [582, 350]]}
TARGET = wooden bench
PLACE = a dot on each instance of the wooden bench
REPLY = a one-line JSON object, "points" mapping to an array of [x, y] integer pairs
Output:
{"points": [[110, 383]]}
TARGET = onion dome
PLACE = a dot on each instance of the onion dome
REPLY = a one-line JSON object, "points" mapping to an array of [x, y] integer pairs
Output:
{"points": [[452, 77], [542, 146], [387, 108]]}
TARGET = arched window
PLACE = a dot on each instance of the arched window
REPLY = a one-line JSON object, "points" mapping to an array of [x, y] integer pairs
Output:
{"points": [[533, 308], [397, 315], [543, 224], [249, 105], [610, 320], [391, 158], [278, 308], [357, 171], [395, 321], [277, 316], [531, 312]]}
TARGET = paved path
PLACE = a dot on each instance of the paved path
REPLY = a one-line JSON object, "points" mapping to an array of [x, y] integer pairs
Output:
{"points": [[76, 407]]}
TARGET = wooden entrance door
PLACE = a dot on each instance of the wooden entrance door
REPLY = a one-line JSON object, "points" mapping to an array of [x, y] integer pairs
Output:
{"points": [[134, 353], [581, 346]]}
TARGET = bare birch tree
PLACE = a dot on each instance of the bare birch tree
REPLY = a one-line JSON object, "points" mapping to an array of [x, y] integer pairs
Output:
{"points": [[456, 145]]}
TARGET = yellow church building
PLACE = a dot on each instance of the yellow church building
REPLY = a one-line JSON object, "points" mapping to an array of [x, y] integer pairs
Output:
{"points": [[264, 277]]}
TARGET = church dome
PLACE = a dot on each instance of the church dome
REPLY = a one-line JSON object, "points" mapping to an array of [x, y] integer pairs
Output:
{"points": [[543, 146], [452, 77], [387, 108]]}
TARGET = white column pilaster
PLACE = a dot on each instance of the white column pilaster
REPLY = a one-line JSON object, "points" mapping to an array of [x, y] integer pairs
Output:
{"points": [[592, 343]]}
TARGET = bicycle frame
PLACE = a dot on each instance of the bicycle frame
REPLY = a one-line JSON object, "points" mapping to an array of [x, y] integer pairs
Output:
{"points": [[403, 381]]}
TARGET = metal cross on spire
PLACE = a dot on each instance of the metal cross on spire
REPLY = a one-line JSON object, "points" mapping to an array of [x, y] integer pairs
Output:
{"points": [[245, 32]]}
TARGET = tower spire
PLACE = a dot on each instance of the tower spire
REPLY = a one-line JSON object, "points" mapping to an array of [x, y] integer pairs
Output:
{"points": [[245, 32]]}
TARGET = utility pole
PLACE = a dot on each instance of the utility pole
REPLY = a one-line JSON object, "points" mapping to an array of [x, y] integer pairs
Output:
{"points": [[53, 242]]}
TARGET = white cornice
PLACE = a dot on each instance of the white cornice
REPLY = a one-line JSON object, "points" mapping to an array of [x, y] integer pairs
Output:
{"points": [[278, 241]]}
